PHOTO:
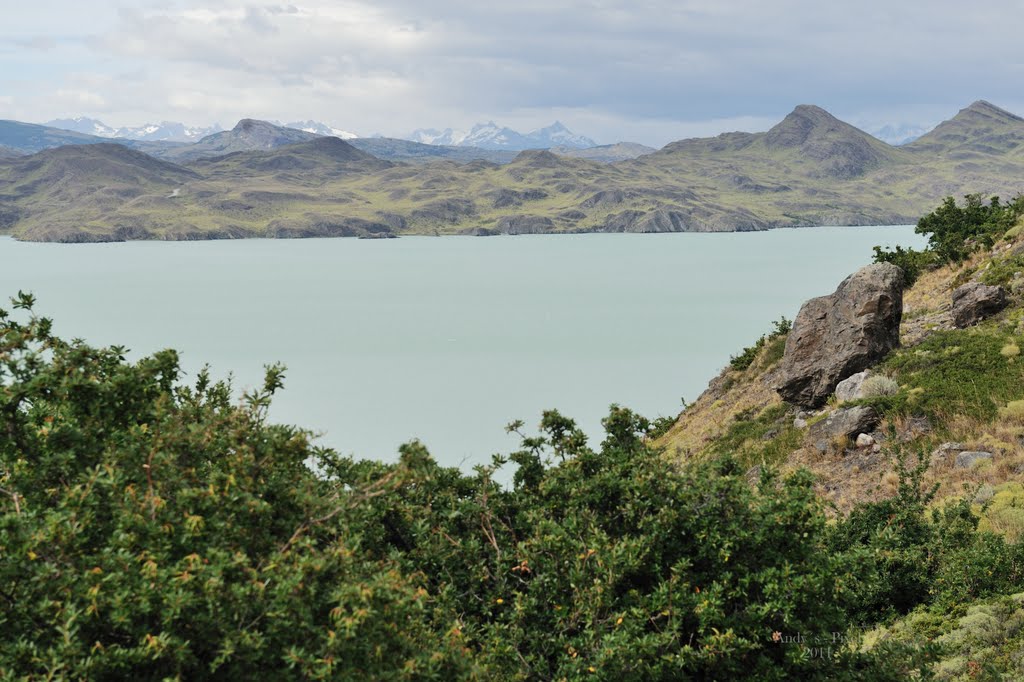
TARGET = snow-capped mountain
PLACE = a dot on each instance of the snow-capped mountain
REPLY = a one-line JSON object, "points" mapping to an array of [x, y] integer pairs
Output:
{"points": [[902, 133], [167, 131], [492, 136], [81, 124], [318, 128], [557, 135]]}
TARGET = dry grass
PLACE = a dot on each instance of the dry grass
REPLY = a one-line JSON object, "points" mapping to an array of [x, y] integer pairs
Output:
{"points": [[729, 394], [847, 475]]}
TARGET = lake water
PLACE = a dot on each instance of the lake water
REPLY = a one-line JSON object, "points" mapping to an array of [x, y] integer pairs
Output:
{"points": [[445, 339]]}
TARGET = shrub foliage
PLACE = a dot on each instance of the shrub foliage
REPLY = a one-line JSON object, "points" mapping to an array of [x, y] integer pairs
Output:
{"points": [[954, 232], [155, 530]]}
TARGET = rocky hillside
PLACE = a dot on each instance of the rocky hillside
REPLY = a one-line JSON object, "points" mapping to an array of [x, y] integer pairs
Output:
{"points": [[871, 370], [893, 397]]}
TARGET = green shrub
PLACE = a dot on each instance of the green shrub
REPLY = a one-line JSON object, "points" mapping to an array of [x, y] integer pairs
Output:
{"points": [[908, 558], [912, 262], [780, 328], [1001, 271], [955, 231], [152, 530]]}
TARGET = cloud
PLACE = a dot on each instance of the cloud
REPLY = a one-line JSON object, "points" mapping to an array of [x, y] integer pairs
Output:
{"points": [[656, 68]]}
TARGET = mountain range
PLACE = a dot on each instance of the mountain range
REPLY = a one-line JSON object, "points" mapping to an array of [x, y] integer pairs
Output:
{"points": [[167, 131], [259, 179], [169, 141], [483, 135], [491, 136]]}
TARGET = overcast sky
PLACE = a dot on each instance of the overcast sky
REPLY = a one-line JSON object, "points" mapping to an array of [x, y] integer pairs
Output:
{"points": [[650, 71]]}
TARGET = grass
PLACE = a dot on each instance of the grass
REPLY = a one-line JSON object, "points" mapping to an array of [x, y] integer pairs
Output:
{"points": [[966, 372], [766, 437]]}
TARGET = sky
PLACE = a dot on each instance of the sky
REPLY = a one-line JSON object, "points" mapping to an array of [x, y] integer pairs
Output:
{"points": [[647, 71]]}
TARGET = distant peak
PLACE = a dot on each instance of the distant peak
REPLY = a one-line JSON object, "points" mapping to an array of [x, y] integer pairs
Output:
{"points": [[537, 158], [987, 109], [812, 111], [250, 123], [800, 124]]}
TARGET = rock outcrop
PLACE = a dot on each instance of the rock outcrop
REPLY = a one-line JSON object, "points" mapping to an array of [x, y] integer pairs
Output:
{"points": [[841, 334], [968, 458], [849, 423], [974, 301]]}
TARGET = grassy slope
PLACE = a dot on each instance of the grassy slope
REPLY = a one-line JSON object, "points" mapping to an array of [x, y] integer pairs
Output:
{"points": [[960, 381], [809, 170]]}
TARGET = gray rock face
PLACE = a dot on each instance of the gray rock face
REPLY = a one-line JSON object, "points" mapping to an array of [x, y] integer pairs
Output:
{"points": [[974, 301], [524, 224], [841, 334], [850, 387], [968, 458], [849, 422]]}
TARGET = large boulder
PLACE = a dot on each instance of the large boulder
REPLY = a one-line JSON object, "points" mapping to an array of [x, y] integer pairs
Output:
{"points": [[841, 334], [974, 301]]}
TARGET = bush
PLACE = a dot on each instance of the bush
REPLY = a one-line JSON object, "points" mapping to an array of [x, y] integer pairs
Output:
{"points": [[955, 231], [878, 385], [908, 558], [912, 262], [152, 530], [780, 328]]}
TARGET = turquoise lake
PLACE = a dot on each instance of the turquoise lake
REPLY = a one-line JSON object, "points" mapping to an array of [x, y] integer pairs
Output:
{"points": [[445, 339]]}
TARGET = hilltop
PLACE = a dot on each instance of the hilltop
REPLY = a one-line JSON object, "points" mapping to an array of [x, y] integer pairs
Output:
{"points": [[809, 169], [977, 131]]}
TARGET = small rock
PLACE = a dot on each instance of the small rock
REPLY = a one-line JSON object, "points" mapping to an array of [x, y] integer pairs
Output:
{"points": [[848, 422], [850, 387], [799, 423], [969, 458], [974, 301], [865, 441], [876, 448], [919, 425], [941, 454]]}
